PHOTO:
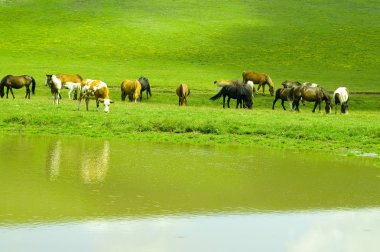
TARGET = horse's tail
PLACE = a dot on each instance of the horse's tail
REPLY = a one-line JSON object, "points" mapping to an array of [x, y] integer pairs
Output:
{"points": [[33, 85], [218, 95], [148, 90]]}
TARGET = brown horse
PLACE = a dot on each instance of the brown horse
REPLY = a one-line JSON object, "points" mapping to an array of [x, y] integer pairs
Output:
{"points": [[67, 81], [281, 93], [132, 89], [182, 92], [17, 82], [259, 78], [311, 94]]}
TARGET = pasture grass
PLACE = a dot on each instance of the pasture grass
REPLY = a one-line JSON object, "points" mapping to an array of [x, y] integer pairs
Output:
{"points": [[332, 43]]}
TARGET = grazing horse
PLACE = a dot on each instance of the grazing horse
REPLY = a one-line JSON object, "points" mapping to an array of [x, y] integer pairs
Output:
{"points": [[69, 81], [290, 84], [242, 93], [282, 93], [97, 90], [132, 89], [17, 82], [55, 85], [145, 86], [182, 92], [341, 97], [259, 78], [311, 94]]}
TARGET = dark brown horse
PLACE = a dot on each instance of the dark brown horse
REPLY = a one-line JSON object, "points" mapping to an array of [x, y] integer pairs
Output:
{"points": [[17, 82], [259, 78], [281, 93], [242, 93], [182, 92], [311, 94]]}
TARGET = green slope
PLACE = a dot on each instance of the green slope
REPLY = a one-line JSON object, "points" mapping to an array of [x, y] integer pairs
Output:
{"points": [[329, 42]]}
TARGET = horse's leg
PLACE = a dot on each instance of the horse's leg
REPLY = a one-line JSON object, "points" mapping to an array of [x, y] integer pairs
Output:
{"points": [[263, 89], [27, 93], [97, 105], [282, 103], [12, 92], [69, 93], [87, 101], [274, 102], [224, 100], [315, 106], [228, 102], [238, 101], [7, 91]]}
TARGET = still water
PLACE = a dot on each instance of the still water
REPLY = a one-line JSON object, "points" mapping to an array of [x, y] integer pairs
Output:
{"points": [[76, 194]]}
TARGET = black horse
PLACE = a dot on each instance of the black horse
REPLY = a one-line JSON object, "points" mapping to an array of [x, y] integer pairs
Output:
{"points": [[145, 86], [242, 93]]}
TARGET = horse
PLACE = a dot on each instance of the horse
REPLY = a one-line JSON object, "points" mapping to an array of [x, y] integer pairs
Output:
{"points": [[259, 78], [132, 89], [145, 86], [311, 94], [282, 93], [290, 84], [55, 85], [182, 92], [72, 87], [341, 97], [242, 93], [97, 90], [17, 82], [68, 78]]}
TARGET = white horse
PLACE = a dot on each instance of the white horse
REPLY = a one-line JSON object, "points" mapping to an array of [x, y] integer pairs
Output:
{"points": [[341, 97], [72, 86], [55, 85]]}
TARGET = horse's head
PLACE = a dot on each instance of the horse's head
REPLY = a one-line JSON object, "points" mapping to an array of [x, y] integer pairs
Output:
{"points": [[344, 108], [49, 80], [271, 90]]}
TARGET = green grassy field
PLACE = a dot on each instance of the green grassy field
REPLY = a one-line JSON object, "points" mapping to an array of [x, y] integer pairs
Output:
{"points": [[332, 43]]}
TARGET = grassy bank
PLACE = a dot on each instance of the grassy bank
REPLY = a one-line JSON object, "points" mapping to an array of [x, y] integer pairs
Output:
{"points": [[159, 119]]}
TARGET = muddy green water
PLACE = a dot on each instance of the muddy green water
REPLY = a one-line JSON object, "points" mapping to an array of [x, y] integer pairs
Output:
{"points": [[75, 194]]}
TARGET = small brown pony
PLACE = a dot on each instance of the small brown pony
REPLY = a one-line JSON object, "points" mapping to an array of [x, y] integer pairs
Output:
{"points": [[182, 92], [259, 78], [132, 89], [17, 82], [311, 94]]}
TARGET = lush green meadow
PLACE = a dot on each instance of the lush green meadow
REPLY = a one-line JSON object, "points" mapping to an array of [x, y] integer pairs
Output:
{"points": [[332, 43]]}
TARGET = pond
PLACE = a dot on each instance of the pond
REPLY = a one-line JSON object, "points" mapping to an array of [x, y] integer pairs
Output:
{"points": [[78, 194]]}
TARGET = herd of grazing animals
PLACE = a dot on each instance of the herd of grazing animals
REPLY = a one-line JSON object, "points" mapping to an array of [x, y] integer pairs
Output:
{"points": [[242, 91]]}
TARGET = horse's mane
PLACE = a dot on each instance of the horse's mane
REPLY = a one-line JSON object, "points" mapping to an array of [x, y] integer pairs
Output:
{"points": [[325, 94]]}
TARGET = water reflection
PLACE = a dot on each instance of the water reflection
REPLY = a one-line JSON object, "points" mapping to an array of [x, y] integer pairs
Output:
{"points": [[94, 164], [339, 230], [53, 160], [91, 160]]}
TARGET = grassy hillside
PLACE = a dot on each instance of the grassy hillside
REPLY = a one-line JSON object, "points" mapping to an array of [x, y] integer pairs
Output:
{"points": [[329, 42]]}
